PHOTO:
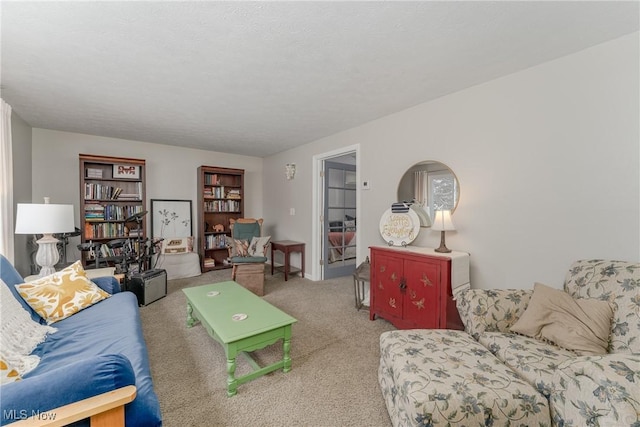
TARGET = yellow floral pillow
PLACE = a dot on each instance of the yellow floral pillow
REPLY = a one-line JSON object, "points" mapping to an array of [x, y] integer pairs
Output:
{"points": [[61, 294], [7, 373]]}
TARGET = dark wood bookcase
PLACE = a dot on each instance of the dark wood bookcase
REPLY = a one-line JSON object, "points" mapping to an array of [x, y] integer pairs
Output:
{"points": [[220, 198], [112, 189]]}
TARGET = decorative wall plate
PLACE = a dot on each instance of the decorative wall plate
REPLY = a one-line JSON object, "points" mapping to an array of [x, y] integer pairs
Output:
{"points": [[399, 229]]}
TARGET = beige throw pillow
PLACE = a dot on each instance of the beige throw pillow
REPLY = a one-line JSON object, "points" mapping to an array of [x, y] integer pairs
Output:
{"points": [[62, 294], [582, 325]]}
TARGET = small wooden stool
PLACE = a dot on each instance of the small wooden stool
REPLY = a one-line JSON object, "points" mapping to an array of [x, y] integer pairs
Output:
{"points": [[250, 276]]}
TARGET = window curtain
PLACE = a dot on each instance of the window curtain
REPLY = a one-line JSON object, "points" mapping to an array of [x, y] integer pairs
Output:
{"points": [[420, 187], [6, 183]]}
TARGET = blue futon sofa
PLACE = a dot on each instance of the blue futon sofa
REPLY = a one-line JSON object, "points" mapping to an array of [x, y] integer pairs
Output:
{"points": [[94, 351]]}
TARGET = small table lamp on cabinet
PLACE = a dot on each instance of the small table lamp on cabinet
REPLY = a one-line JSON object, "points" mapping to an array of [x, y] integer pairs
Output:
{"points": [[46, 219], [442, 222]]}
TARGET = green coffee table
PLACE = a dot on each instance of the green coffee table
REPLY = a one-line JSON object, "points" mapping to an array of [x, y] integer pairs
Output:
{"points": [[216, 305]]}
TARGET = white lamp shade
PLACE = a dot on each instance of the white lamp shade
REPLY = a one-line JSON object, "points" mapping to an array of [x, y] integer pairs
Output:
{"points": [[442, 221], [33, 218]]}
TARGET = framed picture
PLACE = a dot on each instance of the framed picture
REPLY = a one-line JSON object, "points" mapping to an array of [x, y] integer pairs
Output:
{"points": [[171, 218], [126, 171]]}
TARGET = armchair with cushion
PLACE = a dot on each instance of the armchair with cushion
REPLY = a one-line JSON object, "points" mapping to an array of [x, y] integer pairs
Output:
{"points": [[248, 253]]}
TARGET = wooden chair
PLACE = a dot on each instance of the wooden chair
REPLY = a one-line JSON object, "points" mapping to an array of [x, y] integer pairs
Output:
{"points": [[248, 262]]}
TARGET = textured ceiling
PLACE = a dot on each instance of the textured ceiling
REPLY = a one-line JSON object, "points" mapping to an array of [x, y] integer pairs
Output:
{"points": [[257, 78]]}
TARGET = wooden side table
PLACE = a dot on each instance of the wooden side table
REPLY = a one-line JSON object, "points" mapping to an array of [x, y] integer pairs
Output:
{"points": [[286, 247]]}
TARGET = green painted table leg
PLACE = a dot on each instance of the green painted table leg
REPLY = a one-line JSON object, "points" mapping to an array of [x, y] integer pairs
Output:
{"points": [[232, 382], [286, 348], [190, 320]]}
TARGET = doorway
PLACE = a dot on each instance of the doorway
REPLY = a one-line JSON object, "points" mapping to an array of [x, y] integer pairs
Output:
{"points": [[339, 242], [335, 203]]}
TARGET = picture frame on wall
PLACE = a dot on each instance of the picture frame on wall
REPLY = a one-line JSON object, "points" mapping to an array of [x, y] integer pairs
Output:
{"points": [[171, 218], [121, 171]]}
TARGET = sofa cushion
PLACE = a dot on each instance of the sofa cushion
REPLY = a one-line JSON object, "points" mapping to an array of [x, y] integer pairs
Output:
{"points": [[491, 310], [82, 379], [11, 277], [62, 294], [111, 327], [19, 334], [109, 284], [597, 390], [617, 282], [581, 325], [534, 361], [444, 377]]}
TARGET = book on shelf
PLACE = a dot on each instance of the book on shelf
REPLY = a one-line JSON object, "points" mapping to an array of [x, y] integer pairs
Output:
{"points": [[94, 173], [211, 179], [209, 262], [116, 193], [93, 191], [103, 230], [233, 194], [222, 206]]}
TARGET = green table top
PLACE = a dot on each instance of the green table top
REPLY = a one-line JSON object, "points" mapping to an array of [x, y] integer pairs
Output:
{"points": [[217, 311]]}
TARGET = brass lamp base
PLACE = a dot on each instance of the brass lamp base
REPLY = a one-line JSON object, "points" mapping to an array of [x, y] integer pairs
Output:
{"points": [[443, 248]]}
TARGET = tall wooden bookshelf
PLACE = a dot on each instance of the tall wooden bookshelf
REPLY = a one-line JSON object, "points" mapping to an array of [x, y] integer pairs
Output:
{"points": [[220, 198], [112, 189]]}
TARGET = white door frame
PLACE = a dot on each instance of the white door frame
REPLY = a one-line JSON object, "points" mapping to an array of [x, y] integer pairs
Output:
{"points": [[318, 204]]}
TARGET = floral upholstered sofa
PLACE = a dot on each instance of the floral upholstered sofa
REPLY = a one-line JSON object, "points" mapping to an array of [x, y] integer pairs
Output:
{"points": [[491, 375]]}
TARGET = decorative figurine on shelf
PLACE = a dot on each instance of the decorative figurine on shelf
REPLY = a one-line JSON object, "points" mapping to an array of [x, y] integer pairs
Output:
{"points": [[218, 228]]}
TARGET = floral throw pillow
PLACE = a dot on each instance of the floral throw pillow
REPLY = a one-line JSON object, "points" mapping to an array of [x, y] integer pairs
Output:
{"points": [[62, 294], [258, 246], [240, 248]]}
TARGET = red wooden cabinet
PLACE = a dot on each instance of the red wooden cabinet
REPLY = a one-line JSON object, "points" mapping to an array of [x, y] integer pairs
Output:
{"points": [[412, 288]]}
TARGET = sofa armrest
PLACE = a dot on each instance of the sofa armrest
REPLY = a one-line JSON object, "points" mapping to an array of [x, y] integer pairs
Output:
{"points": [[105, 409], [108, 284], [41, 394], [597, 390], [491, 310]]}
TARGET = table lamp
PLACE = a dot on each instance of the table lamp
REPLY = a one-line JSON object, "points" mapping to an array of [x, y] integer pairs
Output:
{"points": [[442, 222], [46, 219]]}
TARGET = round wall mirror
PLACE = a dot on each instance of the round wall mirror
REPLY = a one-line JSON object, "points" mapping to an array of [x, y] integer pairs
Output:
{"points": [[429, 186]]}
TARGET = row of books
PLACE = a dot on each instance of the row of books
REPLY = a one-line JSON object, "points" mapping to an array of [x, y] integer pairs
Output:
{"points": [[108, 230], [211, 179], [106, 251], [222, 206], [93, 191], [97, 212], [217, 241], [220, 193]]}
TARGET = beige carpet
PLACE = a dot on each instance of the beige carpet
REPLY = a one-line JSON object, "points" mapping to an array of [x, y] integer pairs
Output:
{"points": [[334, 349]]}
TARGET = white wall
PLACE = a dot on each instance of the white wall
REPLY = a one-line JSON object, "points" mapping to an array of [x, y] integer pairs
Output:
{"points": [[548, 161], [21, 153], [171, 172]]}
